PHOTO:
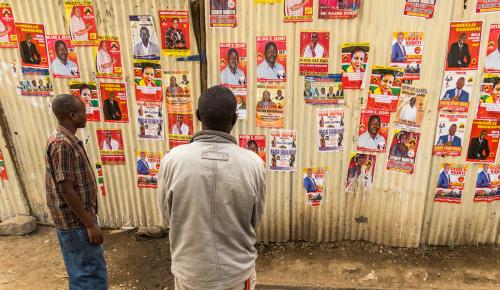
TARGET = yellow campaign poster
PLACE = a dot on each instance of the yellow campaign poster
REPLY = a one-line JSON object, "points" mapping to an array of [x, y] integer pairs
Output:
{"points": [[270, 106], [80, 19]]}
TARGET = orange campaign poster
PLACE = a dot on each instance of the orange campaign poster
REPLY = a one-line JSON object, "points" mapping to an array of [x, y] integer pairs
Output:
{"points": [[80, 18], [492, 61], [464, 44], [385, 87], [114, 100], [270, 105], [255, 143], [314, 184], [174, 29], [271, 58], [223, 13], [8, 36], [483, 6], [111, 146], [338, 9], [361, 170], [180, 128], [451, 182], [450, 134], [108, 60], [32, 45], [62, 55], [419, 8], [3, 171], [298, 10], [483, 141], [87, 92], [314, 51], [233, 64], [487, 183], [373, 130], [406, 53], [456, 91], [489, 99], [411, 108], [147, 80], [403, 151], [178, 91], [147, 168], [354, 61]]}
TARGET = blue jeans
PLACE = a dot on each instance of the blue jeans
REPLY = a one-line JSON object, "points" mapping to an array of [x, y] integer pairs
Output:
{"points": [[84, 262]]}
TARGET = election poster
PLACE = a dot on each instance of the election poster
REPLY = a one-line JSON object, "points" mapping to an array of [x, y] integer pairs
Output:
{"points": [[100, 177], [489, 99], [314, 184], [406, 53], [417, 8], [114, 100], [483, 6], [147, 79], [314, 51], [270, 105], [298, 11], [492, 61], [255, 143], [144, 38], [223, 13], [403, 151], [3, 171], [107, 57], [174, 31], [241, 101], [80, 19], [487, 183], [233, 64], [35, 83], [483, 141], [283, 150], [338, 9], [271, 58], [150, 124], [62, 56], [411, 108], [32, 45], [373, 130], [464, 44], [361, 170], [449, 134], [323, 90], [111, 146], [8, 36], [451, 182], [181, 128], [456, 91], [87, 92], [147, 167], [385, 87], [330, 129], [354, 61], [178, 91]]}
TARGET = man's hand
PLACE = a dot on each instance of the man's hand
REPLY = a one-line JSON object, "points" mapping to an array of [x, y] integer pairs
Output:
{"points": [[95, 234]]}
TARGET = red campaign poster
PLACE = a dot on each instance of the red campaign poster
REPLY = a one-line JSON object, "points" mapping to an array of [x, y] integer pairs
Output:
{"points": [[403, 151], [487, 183], [255, 143], [314, 51], [87, 92], [114, 102], [489, 99], [483, 6], [32, 45], [111, 146], [373, 130], [233, 64], [354, 62], [385, 87], [100, 177], [223, 13], [338, 9], [80, 19], [271, 58], [451, 182], [108, 60], [419, 8], [3, 171], [298, 10], [492, 61], [8, 37], [483, 141], [147, 79], [464, 44], [174, 29], [180, 128], [62, 55]]}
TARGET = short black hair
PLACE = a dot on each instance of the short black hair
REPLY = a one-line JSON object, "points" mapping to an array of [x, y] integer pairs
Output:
{"points": [[373, 117], [268, 45], [252, 142], [217, 108], [143, 28], [63, 104], [146, 65], [83, 87], [60, 42], [356, 49], [232, 50]]}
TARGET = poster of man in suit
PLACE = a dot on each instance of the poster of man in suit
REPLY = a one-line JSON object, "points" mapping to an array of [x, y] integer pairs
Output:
{"points": [[314, 184], [456, 91], [487, 183], [148, 166], [406, 53], [450, 134], [32, 45], [464, 44], [483, 142], [114, 102], [451, 182]]}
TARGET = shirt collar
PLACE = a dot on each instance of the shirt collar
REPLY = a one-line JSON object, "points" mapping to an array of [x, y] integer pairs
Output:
{"points": [[68, 134], [213, 136]]}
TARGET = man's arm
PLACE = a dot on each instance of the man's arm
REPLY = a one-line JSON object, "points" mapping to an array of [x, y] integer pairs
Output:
{"points": [[486, 149], [118, 111], [260, 196], [164, 193], [467, 55]]}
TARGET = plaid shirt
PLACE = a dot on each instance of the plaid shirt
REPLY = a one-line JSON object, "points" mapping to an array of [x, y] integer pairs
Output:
{"points": [[69, 162]]}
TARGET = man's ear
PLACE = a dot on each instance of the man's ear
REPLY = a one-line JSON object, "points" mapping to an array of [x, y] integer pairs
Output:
{"points": [[235, 118], [198, 115]]}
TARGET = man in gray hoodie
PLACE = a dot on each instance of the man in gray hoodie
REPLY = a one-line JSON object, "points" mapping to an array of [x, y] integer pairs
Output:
{"points": [[211, 193]]}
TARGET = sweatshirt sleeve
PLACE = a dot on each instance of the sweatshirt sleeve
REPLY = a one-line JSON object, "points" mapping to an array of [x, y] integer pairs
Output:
{"points": [[260, 197], [164, 193]]}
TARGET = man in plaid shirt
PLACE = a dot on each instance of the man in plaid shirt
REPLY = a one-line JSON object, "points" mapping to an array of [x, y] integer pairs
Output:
{"points": [[71, 191]]}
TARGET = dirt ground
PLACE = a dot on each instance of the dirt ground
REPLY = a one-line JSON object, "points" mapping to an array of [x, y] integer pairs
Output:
{"points": [[35, 262]]}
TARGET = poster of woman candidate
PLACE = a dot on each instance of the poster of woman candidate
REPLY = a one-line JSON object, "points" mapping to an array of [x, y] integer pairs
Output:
{"points": [[271, 58], [87, 92], [283, 150], [144, 38], [80, 19], [223, 13], [233, 64], [373, 130], [62, 56], [323, 90], [406, 53], [255, 143], [298, 10], [483, 6], [147, 80], [354, 61], [32, 45], [487, 187], [114, 102], [110, 143], [418, 9], [338, 9], [314, 51], [330, 129], [403, 151], [489, 99], [178, 91], [180, 128], [270, 105], [8, 37], [464, 44], [456, 91], [483, 141], [147, 168], [449, 134], [174, 29], [361, 170], [385, 87], [314, 184], [451, 182], [411, 107], [492, 61], [150, 124], [107, 57]]}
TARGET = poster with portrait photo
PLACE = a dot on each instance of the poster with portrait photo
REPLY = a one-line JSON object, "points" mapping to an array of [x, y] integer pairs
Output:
{"points": [[338, 9], [80, 17], [233, 64], [114, 100], [484, 6], [483, 141], [8, 36], [283, 150], [87, 92], [144, 38], [150, 122], [314, 51], [354, 61], [111, 146], [420, 8], [450, 134], [270, 105], [271, 58], [255, 143], [314, 184], [298, 11], [406, 53], [32, 45], [487, 183], [464, 45], [62, 56], [147, 168], [223, 13], [403, 151], [3, 170], [492, 60], [178, 91], [360, 171], [385, 87], [330, 129], [456, 91], [451, 182], [174, 29], [35, 83], [373, 130], [411, 108], [323, 90], [180, 128], [147, 80], [108, 60], [489, 98]]}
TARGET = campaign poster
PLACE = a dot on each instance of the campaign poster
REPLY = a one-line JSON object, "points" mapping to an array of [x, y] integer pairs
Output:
{"points": [[373, 130], [3, 171], [271, 58], [323, 90], [456, 91], [111, 146], [314, 51], [35, 83], [492, 61], [283, 150], [449, 134], [80, 19], [385, 87], [487, 183], [32, 45], [87, 92], [361, 170], [255, 143], [464, 44], [314, 184], [174, 29], [406, 53], [108, 59], [403, 151], [62, 56], [223, 13], [233, 64], [483, 6], [147, 80], [180, 128], [114, 100], [451, 182], [100, 177], [483, 141], [418, 8], [8, 36], [489, 99], [298, 11], [147, 168], [270, 105], [144, 38], [354, 61], [411, 108], [338, 9], [150, 122], [330, 129], [178, 91]]}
